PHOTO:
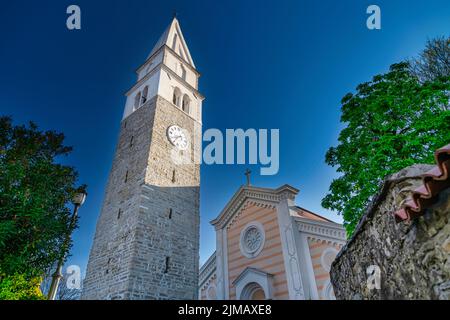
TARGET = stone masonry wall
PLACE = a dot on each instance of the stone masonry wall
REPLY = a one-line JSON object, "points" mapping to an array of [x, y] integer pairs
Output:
{"points": [[108, 270], [150, 249], [413, 257], [168, 220]]}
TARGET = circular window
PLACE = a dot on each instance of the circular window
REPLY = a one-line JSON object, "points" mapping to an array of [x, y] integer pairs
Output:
{"points": [[252, 239]]}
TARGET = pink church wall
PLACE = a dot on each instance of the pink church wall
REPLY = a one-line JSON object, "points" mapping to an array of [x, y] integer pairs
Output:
{"points": [[322, 255], [270, 258]]}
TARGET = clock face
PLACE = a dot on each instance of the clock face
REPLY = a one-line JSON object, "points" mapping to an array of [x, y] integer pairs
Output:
{"points": [[177, 137]]}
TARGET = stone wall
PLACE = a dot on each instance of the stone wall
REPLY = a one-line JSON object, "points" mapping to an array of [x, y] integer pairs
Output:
{"points": [[413, 258], [146, 244]]}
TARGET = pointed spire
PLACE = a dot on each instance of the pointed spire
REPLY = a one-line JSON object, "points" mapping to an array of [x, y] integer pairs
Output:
{"points": [[173, 38]]}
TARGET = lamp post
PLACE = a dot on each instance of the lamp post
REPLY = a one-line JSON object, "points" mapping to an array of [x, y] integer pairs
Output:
{"points": [[77, 201]]}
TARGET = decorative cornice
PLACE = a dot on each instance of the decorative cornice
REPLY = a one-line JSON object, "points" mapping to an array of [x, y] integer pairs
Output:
{"points": [[166, 47], [208, 282], [322, 230], [264, 196], [208, 269], [174, 74], [162, 66]]}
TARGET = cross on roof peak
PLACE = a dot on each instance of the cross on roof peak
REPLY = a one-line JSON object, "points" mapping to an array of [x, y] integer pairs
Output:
{"points": [[247, 174]]}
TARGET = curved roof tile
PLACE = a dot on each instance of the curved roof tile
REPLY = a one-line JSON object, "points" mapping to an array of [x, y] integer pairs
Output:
{"points": [[434, 181]]}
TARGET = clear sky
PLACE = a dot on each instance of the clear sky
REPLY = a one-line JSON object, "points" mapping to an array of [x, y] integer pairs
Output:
{"points": [[264, 64]]}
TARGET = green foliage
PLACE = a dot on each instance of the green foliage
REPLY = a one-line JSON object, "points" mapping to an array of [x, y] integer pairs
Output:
{"points": [[392, 122], [18, 287], [35, 193]]}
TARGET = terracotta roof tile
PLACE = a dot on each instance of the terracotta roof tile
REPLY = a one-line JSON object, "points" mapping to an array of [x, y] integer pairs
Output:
{"points": [[434, 181]]}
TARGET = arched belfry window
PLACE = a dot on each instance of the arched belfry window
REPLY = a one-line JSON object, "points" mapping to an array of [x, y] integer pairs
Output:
{"points": [[181, 53], [186, 103], [176, 96], [183, 72], [137, 100], [144, 95], [174, 42]]}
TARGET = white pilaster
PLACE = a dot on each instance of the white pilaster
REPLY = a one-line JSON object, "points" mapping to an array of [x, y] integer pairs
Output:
{"points": [[290, 255], [225, 264], [220, 284]]}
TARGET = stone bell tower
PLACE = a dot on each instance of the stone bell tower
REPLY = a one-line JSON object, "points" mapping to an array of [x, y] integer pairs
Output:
{"points": [[146, 243]]}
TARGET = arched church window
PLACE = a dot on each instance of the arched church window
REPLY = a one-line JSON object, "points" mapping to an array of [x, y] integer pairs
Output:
{"points": [[186, 102], [176, 96], [137, 100], [144, 95]]}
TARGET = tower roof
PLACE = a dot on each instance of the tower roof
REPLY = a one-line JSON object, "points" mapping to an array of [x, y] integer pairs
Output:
{"points": [[173, 38]]}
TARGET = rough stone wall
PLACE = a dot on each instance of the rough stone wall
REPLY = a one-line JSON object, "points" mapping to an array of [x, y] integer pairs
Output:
{"points": [[169, 220], [145, 252], [413, 257]]}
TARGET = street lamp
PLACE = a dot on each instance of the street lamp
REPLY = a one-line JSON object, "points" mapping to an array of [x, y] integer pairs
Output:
{"points": [[77, 201]]}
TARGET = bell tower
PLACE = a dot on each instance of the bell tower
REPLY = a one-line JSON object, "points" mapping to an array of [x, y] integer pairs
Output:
{"points": [[146, 243]]}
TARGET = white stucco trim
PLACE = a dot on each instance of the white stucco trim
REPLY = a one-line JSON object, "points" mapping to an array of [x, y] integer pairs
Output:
{"points": [[290, 255], [220, 285], [250, 276], [305, 256], [265, 195], [324, 253], [328, 231], [328, 292], [207, 270], [225, 264]]}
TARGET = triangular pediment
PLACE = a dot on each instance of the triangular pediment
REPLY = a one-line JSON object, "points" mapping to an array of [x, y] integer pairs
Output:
{"points": [[174, 39], [245, 193]]}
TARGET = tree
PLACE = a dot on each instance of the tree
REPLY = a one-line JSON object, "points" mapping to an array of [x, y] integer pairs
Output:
{"points": [[18, 287], [35, 192], [434, 61], [392, 122]]}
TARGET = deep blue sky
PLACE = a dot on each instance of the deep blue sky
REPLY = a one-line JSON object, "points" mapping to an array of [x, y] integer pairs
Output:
{"points": [[277, 64]]}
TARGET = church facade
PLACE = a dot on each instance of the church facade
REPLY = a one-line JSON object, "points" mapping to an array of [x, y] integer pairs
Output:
{"points": [[146, 244], [267, 247]]}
